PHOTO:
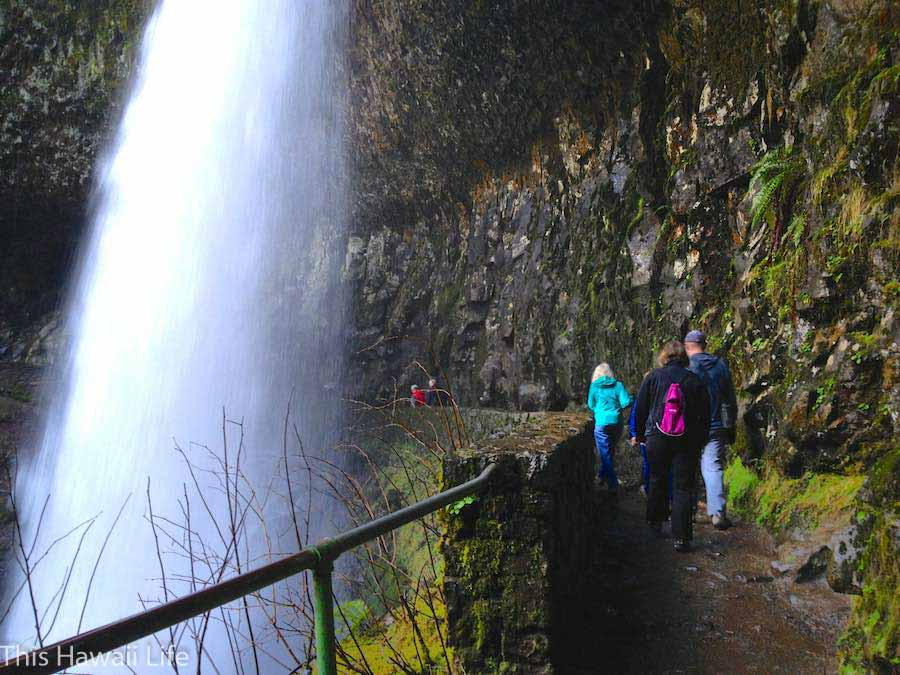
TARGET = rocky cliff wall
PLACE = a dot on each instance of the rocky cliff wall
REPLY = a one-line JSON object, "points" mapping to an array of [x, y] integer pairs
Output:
{"points": [[543, 186]]}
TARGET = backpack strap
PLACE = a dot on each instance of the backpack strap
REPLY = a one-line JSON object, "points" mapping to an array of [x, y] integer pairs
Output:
{"points": [[677, 380]]}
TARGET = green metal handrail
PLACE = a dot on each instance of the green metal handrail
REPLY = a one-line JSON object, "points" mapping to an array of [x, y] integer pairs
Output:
{"points": [[319, 558]]}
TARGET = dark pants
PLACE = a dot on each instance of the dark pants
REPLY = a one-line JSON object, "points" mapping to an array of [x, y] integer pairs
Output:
{"points": [[645, 474], [665, 453]]}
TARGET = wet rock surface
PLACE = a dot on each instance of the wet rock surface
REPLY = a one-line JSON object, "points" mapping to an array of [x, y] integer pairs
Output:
{"points": [[514, 251], [543, 185], [20, 388], [555, 204]]}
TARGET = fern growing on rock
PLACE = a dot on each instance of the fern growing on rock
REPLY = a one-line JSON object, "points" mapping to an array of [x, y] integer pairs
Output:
{"points": [[775, 179]]}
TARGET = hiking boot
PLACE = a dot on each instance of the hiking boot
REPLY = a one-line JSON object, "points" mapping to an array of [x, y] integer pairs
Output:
{"points": [[682, 545], [720, 521]]}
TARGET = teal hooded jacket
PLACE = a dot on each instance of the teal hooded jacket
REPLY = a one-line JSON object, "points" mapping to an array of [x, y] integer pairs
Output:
{"points": [[607, 398]]}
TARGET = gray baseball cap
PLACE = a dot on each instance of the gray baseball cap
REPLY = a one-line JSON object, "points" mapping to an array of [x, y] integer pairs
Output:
{"points": [[695, 336]]}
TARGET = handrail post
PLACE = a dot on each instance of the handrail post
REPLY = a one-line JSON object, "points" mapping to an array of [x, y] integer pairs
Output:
{"points": [[324, 618]]}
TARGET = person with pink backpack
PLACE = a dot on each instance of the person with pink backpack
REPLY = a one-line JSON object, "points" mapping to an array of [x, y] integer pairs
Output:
{"points": [[672, 416]]}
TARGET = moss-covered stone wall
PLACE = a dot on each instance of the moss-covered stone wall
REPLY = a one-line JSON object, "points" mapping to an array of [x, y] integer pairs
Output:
{"points": [[514, 555]]}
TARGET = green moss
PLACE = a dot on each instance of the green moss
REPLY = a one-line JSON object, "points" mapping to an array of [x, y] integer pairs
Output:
{"points": [[638, 216], [854, 101], [780, 283], [416, 644], [891, 292], [480, 615], [884, 478], [481, 557], [478, 563], [448, 299], [865, 345], [779, 502], [825, 391], [715, 344], [404, 623], [871, 641], [741, 483]]}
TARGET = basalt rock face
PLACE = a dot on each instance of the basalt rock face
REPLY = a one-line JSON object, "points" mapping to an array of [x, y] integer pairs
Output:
{"points": [[544, 186], [483, 138], [541, 186]]}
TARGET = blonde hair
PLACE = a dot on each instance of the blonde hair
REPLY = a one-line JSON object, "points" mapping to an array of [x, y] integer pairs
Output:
{"points": [[672, 351], [603, 370]]}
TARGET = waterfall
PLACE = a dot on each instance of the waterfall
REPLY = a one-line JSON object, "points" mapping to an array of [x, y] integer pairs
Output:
{"points": [[210, 282]]}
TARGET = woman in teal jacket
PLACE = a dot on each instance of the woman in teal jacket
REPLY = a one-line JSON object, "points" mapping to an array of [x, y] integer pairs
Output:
{"points": [[607, 399]]}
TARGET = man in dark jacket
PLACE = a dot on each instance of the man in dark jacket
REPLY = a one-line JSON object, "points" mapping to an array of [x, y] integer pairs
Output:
{"points": [[714, 373], [676, 450]]}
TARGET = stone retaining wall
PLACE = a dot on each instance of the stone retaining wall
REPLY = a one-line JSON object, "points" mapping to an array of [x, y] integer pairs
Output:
{"points": [[516, 555]]}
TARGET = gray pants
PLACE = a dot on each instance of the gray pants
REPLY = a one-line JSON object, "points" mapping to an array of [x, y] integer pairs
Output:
{"points": [[712, 466]]}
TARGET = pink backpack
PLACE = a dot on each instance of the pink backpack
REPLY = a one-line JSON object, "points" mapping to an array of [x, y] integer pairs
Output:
{"points": [[672, 422]]}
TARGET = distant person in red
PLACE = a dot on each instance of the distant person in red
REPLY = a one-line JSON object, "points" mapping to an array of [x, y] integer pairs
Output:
{"points": [[417, 396]]}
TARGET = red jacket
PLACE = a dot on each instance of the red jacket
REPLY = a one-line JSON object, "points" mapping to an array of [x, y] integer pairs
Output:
{"points": [[419, 396]]}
